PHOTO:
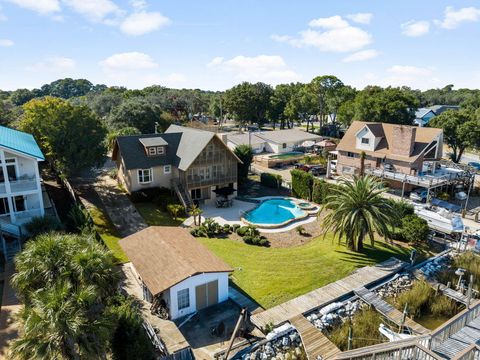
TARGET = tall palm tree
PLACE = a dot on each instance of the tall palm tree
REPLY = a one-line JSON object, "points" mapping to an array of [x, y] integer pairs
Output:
{"points": [[363, 156], [357, 209]]}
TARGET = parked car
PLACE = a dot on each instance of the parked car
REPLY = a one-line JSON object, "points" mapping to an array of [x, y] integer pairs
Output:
{"points": [[474, 164], [419, 195], [318, 170]]}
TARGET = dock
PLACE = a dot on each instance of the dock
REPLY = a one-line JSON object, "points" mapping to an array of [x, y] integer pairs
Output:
{"points": [[449, 292], [316, 344], [388, 311], [323, 296]]}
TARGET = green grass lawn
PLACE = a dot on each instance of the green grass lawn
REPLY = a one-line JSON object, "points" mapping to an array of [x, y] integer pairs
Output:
{"points": [[274, 275], [108, 233], [154, 216]]}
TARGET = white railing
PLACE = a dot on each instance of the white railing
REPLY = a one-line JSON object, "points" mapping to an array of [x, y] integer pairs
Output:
{"points": [[424, 181], [19, 185]]}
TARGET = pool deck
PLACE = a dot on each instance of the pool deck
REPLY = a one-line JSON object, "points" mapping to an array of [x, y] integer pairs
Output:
{"points": [[233, 214]]}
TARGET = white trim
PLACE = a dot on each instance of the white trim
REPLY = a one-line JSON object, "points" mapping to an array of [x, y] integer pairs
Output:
{"points": [[19, 153], [165, 167], [142, 170]]}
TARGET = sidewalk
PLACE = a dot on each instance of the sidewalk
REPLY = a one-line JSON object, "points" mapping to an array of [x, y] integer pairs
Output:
{"points": [[10, 306]]}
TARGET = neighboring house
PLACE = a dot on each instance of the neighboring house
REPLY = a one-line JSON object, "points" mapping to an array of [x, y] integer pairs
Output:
{"points": [[425, 114], [277, 141], [193, 162], [174, 267], [20, 187], [404, 149]]}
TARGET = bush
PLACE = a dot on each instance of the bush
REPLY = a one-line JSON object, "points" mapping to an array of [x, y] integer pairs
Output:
{"points": [[402, 209], [245, 154], [271, 180], [79, 219], [227, 229], [249, 230], [443, 306], [175, 210], [417, 298], [255, 240], [415, 229], [235, 227], [42, 224], [321, 190], [300, 230], [302, 184], [210, 228]]}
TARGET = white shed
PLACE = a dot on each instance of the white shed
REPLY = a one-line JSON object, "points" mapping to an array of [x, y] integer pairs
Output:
{"points": [[173, 265]]}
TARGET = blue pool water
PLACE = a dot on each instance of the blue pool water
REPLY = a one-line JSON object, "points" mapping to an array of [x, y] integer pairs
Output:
{"points": [[274, 211]]}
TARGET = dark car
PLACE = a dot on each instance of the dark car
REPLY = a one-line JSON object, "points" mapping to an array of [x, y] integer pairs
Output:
{"points": [[474, 164], [318, 170]]}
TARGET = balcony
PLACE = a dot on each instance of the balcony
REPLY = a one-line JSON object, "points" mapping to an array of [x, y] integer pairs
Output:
{"points": [[21, 218], [18, 186]]}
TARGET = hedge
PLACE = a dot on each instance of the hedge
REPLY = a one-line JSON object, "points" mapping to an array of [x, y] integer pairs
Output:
{"points": [[302, 184], [271, 180], [320, 190]]}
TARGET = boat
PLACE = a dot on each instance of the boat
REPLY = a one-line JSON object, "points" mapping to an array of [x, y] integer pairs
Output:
{"points": [[441, 220]]}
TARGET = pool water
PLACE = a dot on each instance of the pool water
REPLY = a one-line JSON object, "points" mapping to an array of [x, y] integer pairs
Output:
{"points": [[274, 212], [287, 155]]}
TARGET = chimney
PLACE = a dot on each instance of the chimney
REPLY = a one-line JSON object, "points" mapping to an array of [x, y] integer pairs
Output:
{"points": [[403, 140]]}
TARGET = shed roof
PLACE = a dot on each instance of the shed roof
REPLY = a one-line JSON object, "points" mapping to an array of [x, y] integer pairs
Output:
{"points": [[423, 137], [21, 142], [287, 135], [243, 139], [153, 141], [164, 256]]}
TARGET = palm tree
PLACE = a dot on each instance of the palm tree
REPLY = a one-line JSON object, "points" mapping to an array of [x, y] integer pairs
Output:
{"points": [[363, 156], [357, 209]]}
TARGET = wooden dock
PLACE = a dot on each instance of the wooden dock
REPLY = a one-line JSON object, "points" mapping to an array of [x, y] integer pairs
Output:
{"points": [[327, 294], [389, 311], [315, 343], [452, 294], [243, 301]]}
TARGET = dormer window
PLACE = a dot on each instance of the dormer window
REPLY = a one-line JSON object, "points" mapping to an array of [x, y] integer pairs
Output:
{"points": [[160, 150], [152, 151], [154, 146], [365, 141]]}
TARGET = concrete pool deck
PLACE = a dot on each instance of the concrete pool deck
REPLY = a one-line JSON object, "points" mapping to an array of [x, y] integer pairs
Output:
{"points": [[232, 215]]}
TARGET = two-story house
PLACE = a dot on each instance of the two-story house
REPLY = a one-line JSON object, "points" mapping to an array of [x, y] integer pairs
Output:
{"points": [[20, 188], [195, 163], [401, 149]]}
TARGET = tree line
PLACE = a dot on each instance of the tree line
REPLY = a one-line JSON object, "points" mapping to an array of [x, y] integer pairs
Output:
{"points": [[75, 121]]}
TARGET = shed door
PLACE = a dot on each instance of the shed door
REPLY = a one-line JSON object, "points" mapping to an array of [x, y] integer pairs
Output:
{"points": [[206, 294]]}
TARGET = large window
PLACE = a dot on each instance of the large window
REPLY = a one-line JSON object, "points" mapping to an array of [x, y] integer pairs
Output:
{"points": [[11, 170], [351, 154], [183, 298], [365, 141], [4, 210], [144, 176], [19, 203]]}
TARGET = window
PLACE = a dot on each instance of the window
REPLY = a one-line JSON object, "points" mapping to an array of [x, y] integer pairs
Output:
{"points": [[167, 169], [284, 146], [351, 154], [19, 203], [152, 151], [4, 209], [365, 141], [144, 176], [196, 194], [11, 170], [160, 150], [183, 299]]}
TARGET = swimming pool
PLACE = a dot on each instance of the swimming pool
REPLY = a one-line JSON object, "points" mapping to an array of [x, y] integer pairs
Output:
{"points": [[274, 213], [287, 155]]}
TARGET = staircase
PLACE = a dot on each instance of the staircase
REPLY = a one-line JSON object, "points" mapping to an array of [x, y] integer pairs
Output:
{"points": [[182, 194]]}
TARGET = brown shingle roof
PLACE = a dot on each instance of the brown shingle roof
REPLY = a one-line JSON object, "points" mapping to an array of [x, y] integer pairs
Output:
{"points": [[164, 256], [423, 137]]}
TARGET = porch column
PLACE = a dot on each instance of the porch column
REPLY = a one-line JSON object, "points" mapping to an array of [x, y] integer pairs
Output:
{"points": [[8, 190], [39, 188]]}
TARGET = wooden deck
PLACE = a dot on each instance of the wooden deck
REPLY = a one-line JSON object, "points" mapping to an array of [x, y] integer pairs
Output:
{"points": [[315, 343], [327, 294], [243, 301], [389, 311]]}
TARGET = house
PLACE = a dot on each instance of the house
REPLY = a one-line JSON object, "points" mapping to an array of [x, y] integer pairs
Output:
{"points": [[21, 196], [195, 163], [176, 270], [401, 149], [277, 141], [425, 114]]}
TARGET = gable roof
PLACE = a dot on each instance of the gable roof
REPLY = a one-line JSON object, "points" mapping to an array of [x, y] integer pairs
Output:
{"points": [[183, 147], [421, 112], [243, 139], [438, 109], [163, 256], [21, 142], [287, 135], [192, 142], [423, 137]]}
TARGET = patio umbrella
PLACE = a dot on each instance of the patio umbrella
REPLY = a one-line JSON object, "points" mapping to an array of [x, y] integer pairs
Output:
{"points": [[225, 191], [308, 143]]}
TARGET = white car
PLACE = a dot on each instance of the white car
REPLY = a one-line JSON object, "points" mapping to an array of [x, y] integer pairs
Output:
{"points": [[461, 195]]}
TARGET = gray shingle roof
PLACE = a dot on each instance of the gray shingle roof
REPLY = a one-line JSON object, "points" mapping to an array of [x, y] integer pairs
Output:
{"points": [[242, 139], [153, 141], [289, 135]]}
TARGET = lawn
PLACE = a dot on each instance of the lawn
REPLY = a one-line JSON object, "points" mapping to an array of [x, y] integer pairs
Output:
{"points": [[108, 233], [274, 275], [155, 216]]}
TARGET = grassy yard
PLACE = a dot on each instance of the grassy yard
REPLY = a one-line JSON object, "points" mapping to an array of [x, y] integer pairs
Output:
{"points": [[155, 216], [273, 275], [108, 233]]}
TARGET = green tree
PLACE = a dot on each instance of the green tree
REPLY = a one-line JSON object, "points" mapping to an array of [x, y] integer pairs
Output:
{"points": [[64, 282], [326, 90], [358, 209], [112, 135], [71, 136], [245, 154], [67, 88], [138, 113], [460, 131], [390, 105], [415, 230], [249, 103]]}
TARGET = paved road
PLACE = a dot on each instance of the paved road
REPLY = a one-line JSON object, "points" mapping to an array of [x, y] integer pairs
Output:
{"points": [[469, 157]]}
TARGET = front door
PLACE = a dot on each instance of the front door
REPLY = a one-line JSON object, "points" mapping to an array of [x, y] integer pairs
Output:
{"points": [[206, 295]]}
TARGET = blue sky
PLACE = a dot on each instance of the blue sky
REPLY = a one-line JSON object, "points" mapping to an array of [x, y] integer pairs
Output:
{"points": [[216, 44]]}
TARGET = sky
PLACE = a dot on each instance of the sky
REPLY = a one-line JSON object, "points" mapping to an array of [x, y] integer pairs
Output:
{"points": [[215, 44]]}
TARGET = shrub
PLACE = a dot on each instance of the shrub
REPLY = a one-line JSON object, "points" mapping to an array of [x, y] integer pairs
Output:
{"points": [[235, 227], [79, 219], [320, 190], [227, 229], [417, 298], [300, 230], [415, 229], [42, 224], [271, 180], [242, 230], [245, 154], [443, 306], [443, 196], [175, 210], [302, 184], [255, 240], [402, 209]]}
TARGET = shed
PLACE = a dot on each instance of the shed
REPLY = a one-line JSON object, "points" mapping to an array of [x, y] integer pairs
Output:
{"points": [[172, 265]]}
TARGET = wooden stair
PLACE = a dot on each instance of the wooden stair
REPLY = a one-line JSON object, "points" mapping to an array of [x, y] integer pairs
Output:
{"points": [[183, 194]]}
